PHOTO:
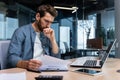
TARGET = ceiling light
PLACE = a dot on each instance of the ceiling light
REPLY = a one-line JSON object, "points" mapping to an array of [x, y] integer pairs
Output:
{"points": [[66, 8], [73, 9]]}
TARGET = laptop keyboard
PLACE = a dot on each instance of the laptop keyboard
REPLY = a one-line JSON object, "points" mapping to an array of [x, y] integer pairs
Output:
{"points": [[90, 63]]}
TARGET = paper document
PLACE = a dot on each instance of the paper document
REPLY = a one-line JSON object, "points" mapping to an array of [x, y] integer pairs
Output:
{"points": [[13, 76], [52, 63]]}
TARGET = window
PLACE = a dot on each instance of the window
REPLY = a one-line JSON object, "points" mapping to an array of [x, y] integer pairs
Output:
{"points": [[85, 31], [2, 26], [8, 25], [11, 25]]}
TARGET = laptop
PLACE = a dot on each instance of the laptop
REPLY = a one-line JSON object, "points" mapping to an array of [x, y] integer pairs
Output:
{"points": [[93, 62]]}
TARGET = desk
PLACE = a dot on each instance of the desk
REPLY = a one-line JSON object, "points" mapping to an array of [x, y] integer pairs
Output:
{"points": [[108, 72]]}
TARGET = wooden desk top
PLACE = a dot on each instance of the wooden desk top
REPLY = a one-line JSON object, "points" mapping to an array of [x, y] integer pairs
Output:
{"points": [[108, 72]]}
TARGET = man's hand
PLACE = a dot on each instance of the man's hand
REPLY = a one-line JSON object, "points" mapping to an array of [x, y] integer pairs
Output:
{"points": [[31, 64], [49, 32], [34, 64]]}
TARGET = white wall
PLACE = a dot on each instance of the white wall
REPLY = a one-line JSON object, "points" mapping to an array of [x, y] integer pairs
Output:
{"points": [[64, 36]]}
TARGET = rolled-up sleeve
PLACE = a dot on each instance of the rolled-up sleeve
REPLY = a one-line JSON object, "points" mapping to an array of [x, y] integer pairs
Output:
{"points": [[15, 48]]}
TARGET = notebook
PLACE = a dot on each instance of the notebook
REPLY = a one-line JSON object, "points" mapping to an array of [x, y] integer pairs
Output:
{"points": [[94, 62]]}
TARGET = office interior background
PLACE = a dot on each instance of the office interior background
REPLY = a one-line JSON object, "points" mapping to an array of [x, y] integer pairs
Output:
{"points": [[88, 20]]}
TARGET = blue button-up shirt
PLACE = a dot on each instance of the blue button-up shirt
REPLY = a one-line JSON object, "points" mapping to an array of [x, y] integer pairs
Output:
{"points": [[22, 45]]}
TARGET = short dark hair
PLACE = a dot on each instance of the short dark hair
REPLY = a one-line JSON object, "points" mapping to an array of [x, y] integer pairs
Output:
{"points": [[47, 8]]}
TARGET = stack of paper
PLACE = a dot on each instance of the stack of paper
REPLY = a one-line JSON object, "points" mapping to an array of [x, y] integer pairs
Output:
{"points": [[52, 63]]}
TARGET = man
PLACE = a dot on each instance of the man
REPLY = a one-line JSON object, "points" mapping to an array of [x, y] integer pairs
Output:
{"points": [[30, 42]]}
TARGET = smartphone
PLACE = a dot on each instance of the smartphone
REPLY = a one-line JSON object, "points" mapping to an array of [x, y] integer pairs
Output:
{"points": [[88, 71]]}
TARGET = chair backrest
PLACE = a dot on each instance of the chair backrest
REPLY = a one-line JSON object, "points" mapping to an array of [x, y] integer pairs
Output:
{"points": [[95, 43], [66, 47], [3, 53]]}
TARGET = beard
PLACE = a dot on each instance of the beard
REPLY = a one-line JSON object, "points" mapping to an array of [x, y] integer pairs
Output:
{"points": [[39, 26]]}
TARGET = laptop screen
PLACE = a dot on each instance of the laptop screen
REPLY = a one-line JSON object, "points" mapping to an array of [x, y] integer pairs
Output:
{"points": [[104, 54]]}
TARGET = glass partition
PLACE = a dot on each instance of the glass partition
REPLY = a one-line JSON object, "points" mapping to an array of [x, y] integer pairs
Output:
{"points": [[12, 17]]}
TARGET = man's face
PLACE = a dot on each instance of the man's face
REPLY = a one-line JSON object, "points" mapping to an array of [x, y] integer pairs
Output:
{"points": [[45, 21]]}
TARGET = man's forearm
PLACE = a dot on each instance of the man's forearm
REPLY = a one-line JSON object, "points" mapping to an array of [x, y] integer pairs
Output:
{"points": [[55, 48]]}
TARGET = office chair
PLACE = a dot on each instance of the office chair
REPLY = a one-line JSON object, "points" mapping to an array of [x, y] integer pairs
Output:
{"points": [[3, 53], [95, 43]]}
